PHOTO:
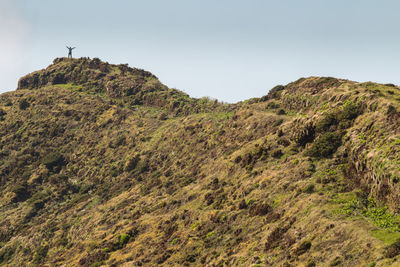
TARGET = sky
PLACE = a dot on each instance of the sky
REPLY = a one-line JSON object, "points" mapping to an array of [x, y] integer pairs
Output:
{"points": [[230, 50]]}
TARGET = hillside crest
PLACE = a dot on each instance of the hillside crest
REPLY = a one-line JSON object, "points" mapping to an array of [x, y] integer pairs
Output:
{"points": [[102, 164]]}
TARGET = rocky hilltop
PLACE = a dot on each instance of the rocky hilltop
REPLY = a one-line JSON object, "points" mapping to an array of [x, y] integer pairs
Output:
{"points": [[102, 164]]}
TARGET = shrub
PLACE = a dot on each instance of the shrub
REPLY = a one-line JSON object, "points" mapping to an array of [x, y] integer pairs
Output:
{"points": [[259, 209], [142, 166], [309, 189], [37, 201], [273, 105], [277, 153], [121, 139], [123, 239], [326, 122], [53, 159], [305, 135], [391, 110], [238, 159], [303, 247], [58, 79], [20, 191], [274, 93], [390, 85], [349, 111], [23, 104], [131, 163], [242, 205], [326, 82], [325, 145], [281, 112]]}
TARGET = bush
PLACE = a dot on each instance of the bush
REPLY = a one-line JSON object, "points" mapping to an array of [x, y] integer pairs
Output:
{"points": [[54, 159], [24, 104], [281, 112], [259, 209], [123, 239], [38, 200], [274, 93], [131, 163], [326, 82], [242, 205], [120, 140], [325, 145], [273, 105], [349, 111], [326, 122], [303, 247], [305, 135], [391, 110], [142, 166], [309, 189], [21, 192], [277, 153]]}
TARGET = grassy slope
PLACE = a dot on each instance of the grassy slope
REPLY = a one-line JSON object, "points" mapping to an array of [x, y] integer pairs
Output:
{"points": [[91, 176]]}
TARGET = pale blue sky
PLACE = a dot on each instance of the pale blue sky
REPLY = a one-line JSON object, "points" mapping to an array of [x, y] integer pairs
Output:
{"points": [[226, 49]]}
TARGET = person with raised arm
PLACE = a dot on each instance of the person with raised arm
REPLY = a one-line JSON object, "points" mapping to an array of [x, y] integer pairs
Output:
{"points": [[70, 51]]}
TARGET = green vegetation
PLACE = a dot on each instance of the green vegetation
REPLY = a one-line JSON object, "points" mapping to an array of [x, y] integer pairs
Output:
{"points": [[326, 122], [379, 215], [103, 165], [123, 240], [53, 159], [325, 145]]}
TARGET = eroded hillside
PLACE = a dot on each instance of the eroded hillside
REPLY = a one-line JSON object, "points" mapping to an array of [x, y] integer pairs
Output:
{"points": [[102, 164]]}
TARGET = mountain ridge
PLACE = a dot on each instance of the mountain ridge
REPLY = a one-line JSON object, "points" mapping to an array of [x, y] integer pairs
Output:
{"points": [[104, 165]]}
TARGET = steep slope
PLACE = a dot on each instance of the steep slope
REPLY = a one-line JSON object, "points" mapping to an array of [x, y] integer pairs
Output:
{"points": [[104, 165]]}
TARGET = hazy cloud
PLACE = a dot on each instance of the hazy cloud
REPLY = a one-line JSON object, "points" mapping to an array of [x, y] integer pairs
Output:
{"points": [[14, 33]]}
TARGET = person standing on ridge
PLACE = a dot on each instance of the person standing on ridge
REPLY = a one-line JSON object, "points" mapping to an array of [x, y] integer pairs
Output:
{"points": [[70, 51]]}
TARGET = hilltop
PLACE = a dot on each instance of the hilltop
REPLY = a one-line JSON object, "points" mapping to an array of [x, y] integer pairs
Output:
{"points": [[102, 164]]}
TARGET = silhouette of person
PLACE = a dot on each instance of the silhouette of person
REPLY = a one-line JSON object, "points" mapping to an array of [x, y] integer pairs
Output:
{"points": [[70, 51]]}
